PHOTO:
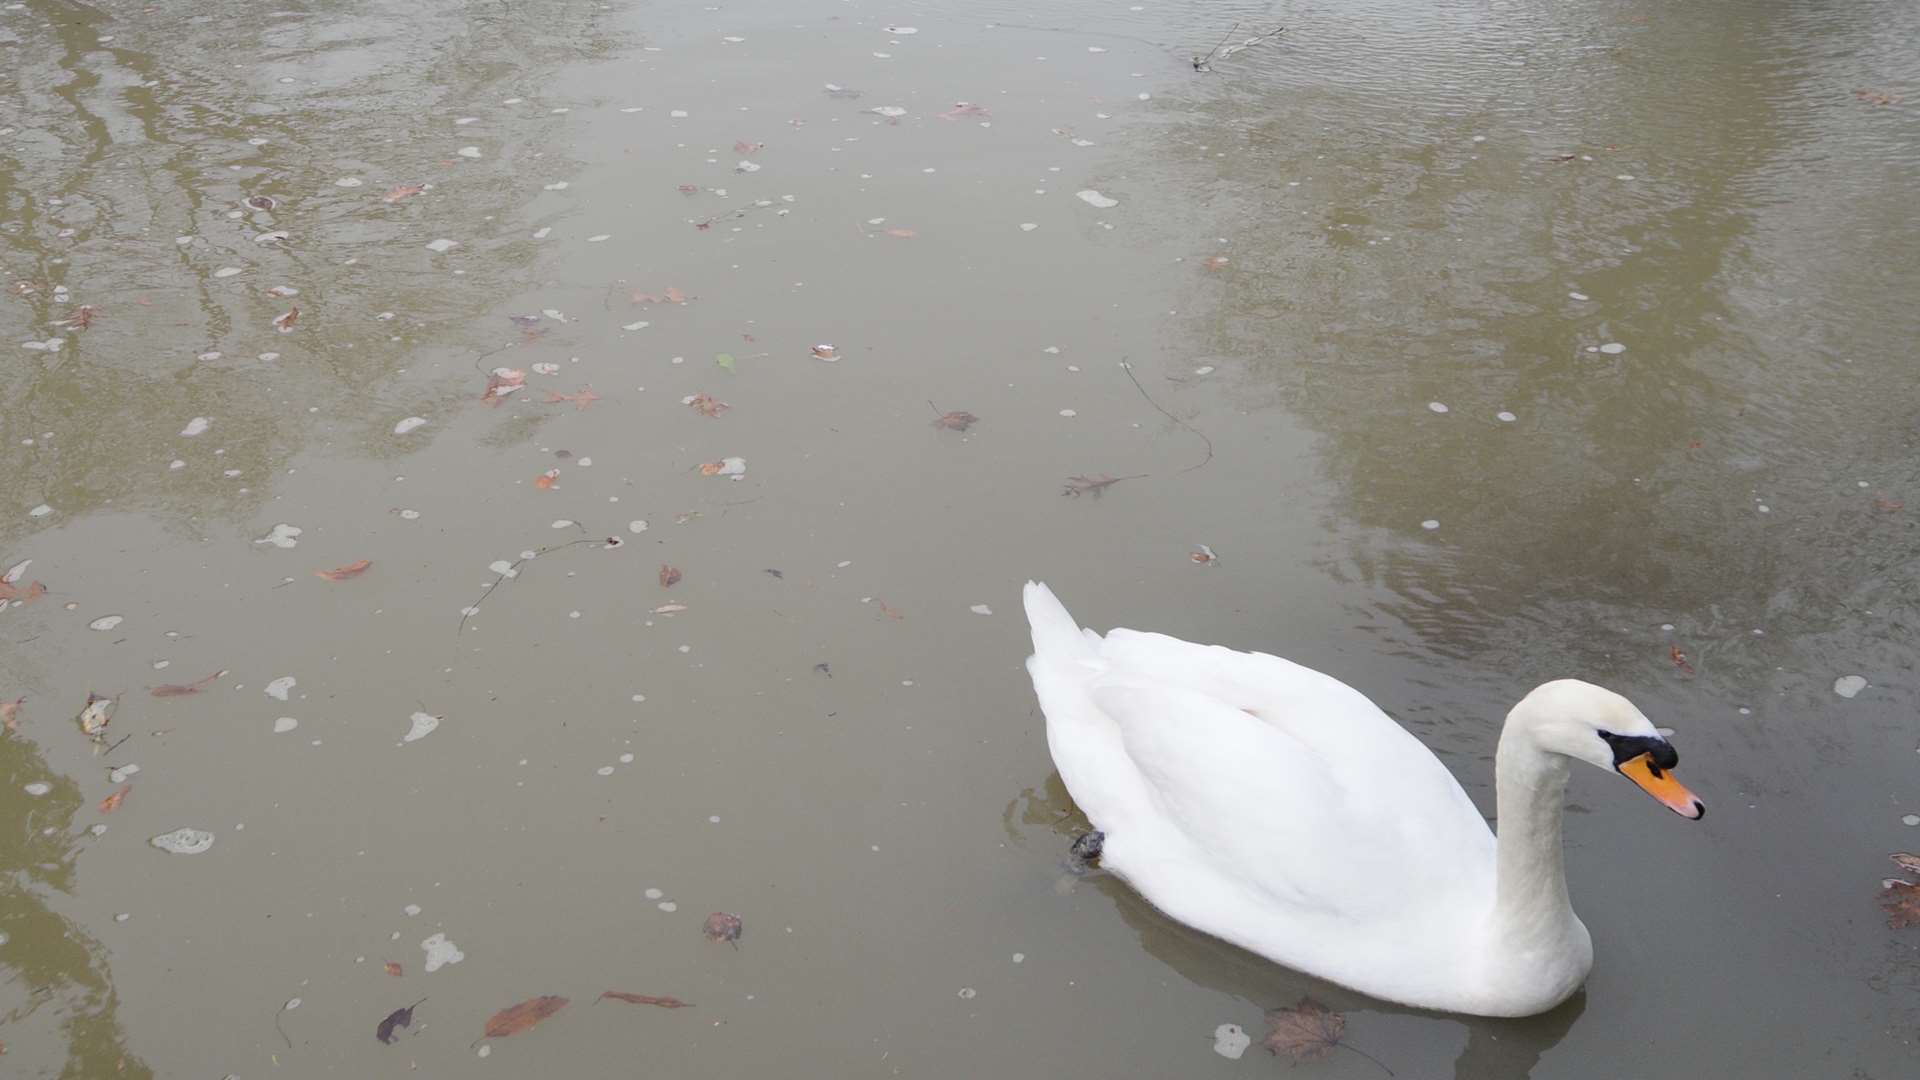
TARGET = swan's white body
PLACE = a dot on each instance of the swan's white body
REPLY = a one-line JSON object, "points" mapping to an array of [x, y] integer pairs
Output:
{"points": [[1279, 809]]}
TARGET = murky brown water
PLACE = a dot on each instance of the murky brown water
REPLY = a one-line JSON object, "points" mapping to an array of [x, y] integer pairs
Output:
{"points": [[1391, 206]]}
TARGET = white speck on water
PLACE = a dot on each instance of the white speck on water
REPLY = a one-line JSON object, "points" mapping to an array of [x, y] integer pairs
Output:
{"points": [[124, 916], [119, 775], [968, 993], [678, 114], [484, 1051], [1019, 958], [106, 622], [196, 426], [562, 523], [465, 120], [1052, 350], [1910, 819], [1203, 369], [227, 271], [653, 894], [277, 689], [1230, 1041], [1578, 296], [1624, 176], [626, 759], [504, 568], [599, 238], [292, 1003], [1848, 685], [981, 609], [901, 30], [1028, 226], [1613, 348], [38, 787], [468, 151], [557, 185], [441, 952], [667, 905], [636, 526], [410, 515], [604, 770], [411, 423], [183, 841], [442, 245], [348, 181], [642, 325], [423, 725], [1438, 407], [1068, 412], [1430, 524], [284, 725], [1095, 199], [541, 233], [1505, 417], [40, 511]]}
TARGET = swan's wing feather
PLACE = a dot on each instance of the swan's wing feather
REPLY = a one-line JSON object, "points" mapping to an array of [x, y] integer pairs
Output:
{"points": [[1266, 809]]}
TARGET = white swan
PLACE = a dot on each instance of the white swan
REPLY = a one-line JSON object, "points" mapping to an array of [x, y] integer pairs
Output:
{"points": [[1279, 809]]}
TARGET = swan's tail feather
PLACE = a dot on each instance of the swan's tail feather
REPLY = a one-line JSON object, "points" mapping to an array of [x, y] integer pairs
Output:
{"points": [[1056, 637]]}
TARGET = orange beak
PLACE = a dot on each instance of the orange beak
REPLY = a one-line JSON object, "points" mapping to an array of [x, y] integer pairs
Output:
{"points": [[1660, 784]]}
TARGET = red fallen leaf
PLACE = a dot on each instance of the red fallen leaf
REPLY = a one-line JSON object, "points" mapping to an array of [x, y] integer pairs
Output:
{"points": [[402, 191], [515, 1019], [546, 480], [10, 712], [721, 926], [644, 999], [581, 398], [500, 383], [904, 234], [394, 969], [32, 591], [688, 189], [342, 573], [284, 323], [183, 689], [707, 405], [703, 226], [964, 108], [1679, 659], [742, 146], [673, 295], [669, 576], [112, 802], [1884, 503], [1901, 901], [80, 318], [891, 613], [957, 420], [1215, 262]]}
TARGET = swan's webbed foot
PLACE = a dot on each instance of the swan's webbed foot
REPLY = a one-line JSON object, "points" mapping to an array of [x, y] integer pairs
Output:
{"points": [[1086, 851]]}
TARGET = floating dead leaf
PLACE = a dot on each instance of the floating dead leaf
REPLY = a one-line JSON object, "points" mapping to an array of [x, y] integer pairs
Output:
{"points": [[515, 1019], [904, 234], [891, 613], [1876, 97], [775, 573], [824, 668], [673, 295], [1901, 901], [742, 146], [112, 802], [721, 926], [824, 351], [26, 594], [546, 481], [732, 466], [402, 191], [342, 573], [394, 969], [79, 318], [1091, 485], [284, 323], [1881, 502], [1906, 861], [1203, 555], [688, 189], [1679, 659], [580, 398], [97, 714], [669, 576], [1215, 262], [958, 420], [1308, 1031], [644, 999], [183, 689], [706, 404], [964, 109], [395, 1020], [10, 712], [502, 381]]}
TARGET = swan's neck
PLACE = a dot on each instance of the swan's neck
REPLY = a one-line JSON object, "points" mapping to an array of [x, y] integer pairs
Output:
{"points": [[1530, 907]]}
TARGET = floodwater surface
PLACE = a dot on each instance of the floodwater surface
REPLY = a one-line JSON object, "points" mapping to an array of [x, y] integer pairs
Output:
{"points": [[529, 476]]}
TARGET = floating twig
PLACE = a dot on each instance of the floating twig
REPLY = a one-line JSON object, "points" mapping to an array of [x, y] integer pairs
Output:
{"points": [[474, 608], [1223, 50], [1128, 368]]}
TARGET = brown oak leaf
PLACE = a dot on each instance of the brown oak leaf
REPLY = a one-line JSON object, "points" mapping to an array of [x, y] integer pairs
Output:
{"points": [[515, 1019], [402, 191], [669, 576], [707, 405], [1308, 1031]]}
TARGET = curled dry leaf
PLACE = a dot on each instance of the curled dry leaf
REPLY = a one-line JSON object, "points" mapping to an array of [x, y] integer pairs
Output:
{"points": [[547, 480], [284, 323], [721, 926], [79, 318], [112, 802], [394, 969], [1679, 659], [342, 573], [1907, 861], [502, 381], [402, 191], [1203, 555], [732, 466], [645, 999], [958, 420], [395, 1020], [515, 1019], [1308, 1031], [97, 714], [183, 689], [669, 576], [10, 712], [1901, 901], [706, 404]]}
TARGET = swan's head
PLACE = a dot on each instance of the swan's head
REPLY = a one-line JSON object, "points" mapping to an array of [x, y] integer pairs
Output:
{"points": [[1597, 726]]}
